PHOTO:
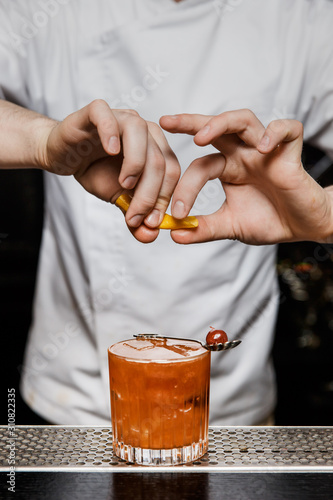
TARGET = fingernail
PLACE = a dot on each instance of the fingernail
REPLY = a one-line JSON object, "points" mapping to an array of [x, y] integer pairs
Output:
{"points": [[178, 210], [129, 182], [114, 145], [155, 218], [173, 117], [264, 143], [205, 130], [135, 221]]}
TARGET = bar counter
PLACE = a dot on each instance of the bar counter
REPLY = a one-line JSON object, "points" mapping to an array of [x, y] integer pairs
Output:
{"points": [[67, 462]]}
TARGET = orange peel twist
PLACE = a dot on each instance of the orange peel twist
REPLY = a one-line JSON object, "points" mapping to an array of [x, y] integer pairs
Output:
{"points": [[168, 222]]}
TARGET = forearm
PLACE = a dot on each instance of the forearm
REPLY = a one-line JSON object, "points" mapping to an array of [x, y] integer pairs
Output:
{"points": [[23, 136]]}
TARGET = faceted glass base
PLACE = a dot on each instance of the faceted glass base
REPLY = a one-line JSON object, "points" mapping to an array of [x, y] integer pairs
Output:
{"points": [[174, 456]]}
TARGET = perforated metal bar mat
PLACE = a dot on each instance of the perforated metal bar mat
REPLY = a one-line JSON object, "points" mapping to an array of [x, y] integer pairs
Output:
{"points": [[242, 449]]}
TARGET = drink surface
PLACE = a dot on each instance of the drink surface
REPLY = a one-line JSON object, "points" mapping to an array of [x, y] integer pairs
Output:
{"points": [[165, 349], [162, 402]]}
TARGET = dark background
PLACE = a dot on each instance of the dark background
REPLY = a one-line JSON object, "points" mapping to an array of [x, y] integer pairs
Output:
{"points": [[303, 350]]}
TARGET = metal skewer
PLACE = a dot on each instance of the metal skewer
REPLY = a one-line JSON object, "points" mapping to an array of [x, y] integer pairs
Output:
{"points": [[224, 346]]}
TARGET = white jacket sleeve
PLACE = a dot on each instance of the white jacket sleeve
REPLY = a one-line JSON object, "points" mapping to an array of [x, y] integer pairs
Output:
{"points": [[13, 54], [318, 123]]}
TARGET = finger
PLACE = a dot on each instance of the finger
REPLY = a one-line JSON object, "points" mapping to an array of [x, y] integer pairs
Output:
{"points": [[184, 123], [149, 185], [101, 179], [134, 134], [144, 234], [99, 114], [195, 177], [192, 124], [242, 122], [170, 179], [286, 132], [216, 226]]}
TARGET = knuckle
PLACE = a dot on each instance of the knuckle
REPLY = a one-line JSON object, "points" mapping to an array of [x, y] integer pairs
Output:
{"points": [[299, 127], [174, 174], [278, 126], [107, 123], [224, 114], [143, 205], [132, 112], [216, 120], [283, 124], [97, 103], [157, 133], [196, 165], [140, 122], [134, 166], [162, 201], [138, 165], [158, 161], [186, 117], [136, 121], [154, 129], [248, 114]]}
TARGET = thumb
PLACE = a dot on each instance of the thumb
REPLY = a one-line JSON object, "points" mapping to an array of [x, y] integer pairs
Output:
{"points": [[216, 226]]}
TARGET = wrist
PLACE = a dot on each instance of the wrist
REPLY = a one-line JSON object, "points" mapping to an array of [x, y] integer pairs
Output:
{"points": [[326, 233], [40, 140]]}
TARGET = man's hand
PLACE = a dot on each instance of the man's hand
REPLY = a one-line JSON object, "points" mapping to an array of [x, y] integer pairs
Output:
{"points": [[269, 196], [114, 151]]}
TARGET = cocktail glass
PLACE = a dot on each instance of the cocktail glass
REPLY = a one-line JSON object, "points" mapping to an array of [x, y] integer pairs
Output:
{"points": [[159, 399]]}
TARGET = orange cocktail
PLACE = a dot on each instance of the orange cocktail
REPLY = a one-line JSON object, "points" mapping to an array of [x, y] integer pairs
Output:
{"points": [[159, 399]]}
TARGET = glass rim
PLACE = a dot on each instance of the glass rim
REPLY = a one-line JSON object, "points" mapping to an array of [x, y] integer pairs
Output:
{"points": [[159, 361]]}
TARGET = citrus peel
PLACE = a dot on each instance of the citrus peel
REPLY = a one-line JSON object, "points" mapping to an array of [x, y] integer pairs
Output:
{"points": [[168, 222]]}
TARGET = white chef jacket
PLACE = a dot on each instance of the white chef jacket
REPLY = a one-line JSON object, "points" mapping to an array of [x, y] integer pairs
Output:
{"points": [[96, 284]]}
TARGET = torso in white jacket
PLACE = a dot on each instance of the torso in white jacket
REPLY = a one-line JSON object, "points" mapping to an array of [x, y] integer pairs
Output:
{"points": [[96, 284]]}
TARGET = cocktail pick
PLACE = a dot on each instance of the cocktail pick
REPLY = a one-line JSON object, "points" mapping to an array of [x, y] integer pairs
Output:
{"points": [[216, 346]]}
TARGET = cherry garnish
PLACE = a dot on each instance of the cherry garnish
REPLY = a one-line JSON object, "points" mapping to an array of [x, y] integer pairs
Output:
{"points": [[216, 337]]}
